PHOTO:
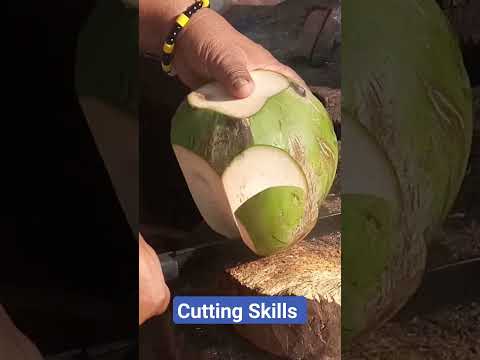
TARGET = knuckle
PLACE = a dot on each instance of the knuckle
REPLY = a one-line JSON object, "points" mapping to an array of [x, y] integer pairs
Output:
{"points": [[236, 72], [211, 50]]}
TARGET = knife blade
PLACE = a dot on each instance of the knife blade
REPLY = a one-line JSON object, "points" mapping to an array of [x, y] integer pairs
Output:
{"points": [[172, 262]]}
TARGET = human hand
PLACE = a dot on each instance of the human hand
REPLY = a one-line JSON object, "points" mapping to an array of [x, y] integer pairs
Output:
{"points": [[208, 49], [154, 294]]}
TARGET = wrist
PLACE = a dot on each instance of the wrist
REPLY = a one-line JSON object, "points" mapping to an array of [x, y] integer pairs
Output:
{"points": [[156, 19], [202, 25], [183, 23]]}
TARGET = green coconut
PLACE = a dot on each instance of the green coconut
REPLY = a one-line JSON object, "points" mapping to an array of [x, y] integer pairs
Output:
{"points": [[257, 168], [407, 127]]}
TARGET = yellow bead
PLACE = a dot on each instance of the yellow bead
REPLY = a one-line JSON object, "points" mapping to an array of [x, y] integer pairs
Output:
{"points": [[167, 48], [166, 68], [182, 20], [206, 3]]}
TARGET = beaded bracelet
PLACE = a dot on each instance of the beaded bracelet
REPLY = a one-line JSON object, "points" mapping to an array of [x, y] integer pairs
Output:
{"points": [[180, 23]]}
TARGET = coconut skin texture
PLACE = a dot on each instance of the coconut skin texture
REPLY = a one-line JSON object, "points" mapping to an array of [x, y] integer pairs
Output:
{"points": [[289, 149], [407, 93], [274, 202]]}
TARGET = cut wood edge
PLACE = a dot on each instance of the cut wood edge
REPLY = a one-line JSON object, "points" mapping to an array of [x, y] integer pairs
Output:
{"points": [[310, 268]]}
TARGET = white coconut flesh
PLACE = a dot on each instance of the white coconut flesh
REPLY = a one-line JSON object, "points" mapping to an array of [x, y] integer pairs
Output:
{"points": [[213, 96], [207, 191], [259, 168], [256, 169], [367, 170]]}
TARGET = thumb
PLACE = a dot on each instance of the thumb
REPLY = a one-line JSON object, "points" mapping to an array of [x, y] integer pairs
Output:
{"points": [[231, 71]]}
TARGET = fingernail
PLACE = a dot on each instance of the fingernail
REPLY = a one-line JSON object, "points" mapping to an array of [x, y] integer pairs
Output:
{"points": [[241, 82]]}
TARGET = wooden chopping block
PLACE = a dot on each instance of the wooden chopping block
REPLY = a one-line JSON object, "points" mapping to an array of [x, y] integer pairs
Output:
{"points": [[311, 268]]}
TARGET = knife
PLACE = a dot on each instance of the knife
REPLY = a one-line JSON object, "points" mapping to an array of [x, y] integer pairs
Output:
{"points": [[172, 262]]}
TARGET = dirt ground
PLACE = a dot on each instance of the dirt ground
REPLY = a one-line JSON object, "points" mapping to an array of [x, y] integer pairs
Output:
{"points": [[452, 333], [280, 30]]}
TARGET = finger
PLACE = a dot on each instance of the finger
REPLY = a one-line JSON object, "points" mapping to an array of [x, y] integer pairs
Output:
{"points": [[229, 67], [154, 294], [191, 78], [164, 304]]}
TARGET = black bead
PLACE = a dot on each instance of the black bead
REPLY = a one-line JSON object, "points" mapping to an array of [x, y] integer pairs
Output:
{"points": [[167, 58]]}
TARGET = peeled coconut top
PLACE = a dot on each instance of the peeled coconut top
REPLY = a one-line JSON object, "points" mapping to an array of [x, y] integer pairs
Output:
{"points": [[213, 96]]}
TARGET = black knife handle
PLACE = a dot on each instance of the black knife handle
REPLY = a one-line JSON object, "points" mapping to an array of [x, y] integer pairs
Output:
{"points": [[169, 266]]}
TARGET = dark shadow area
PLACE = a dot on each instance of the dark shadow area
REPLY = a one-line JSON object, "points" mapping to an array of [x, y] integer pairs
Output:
{"points": [[69, 260]]}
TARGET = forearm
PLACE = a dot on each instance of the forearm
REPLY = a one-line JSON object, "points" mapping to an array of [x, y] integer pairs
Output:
{"points": [[158, 16]]}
